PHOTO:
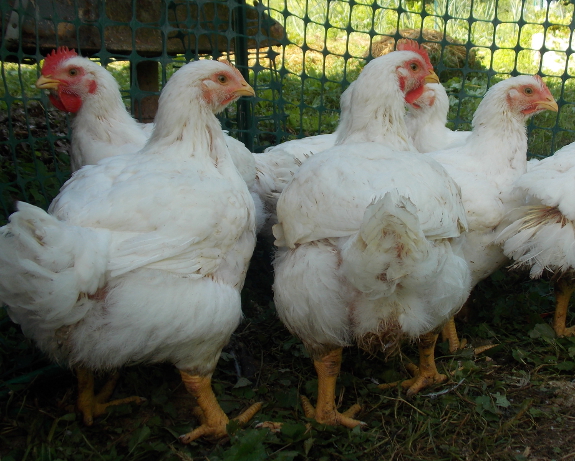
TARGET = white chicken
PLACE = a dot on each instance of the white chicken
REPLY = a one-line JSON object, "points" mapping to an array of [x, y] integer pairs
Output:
{"points": [[426, 118], [277, 165], [142, 257], [369, 235], [101, 126], [541, 236], [486, 166]]}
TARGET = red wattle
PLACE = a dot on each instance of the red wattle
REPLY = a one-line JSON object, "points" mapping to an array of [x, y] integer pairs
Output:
{"points": [[71, 101], [55, 100], [413, 95], [530, 110]]}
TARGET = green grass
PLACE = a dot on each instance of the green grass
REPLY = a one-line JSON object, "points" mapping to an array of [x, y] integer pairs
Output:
{"points": [[498, 404]]}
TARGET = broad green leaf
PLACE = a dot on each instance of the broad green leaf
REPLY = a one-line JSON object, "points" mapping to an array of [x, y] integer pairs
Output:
{"points": [[542, 330], [501, 400], [242, 382]]}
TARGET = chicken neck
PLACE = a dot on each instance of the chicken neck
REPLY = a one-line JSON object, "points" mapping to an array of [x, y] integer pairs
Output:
{"points": [[377, 117]]}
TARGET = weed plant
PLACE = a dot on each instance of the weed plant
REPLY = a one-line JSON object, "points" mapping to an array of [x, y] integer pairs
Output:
{"points": [[514, 402]]}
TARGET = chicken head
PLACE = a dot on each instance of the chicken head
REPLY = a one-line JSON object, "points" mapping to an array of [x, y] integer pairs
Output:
{"points": [[415, 72], [67, 79], [531, 98], [224, 87]]}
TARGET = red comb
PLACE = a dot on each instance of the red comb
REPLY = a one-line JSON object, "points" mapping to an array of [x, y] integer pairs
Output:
{"points": [[54, 59], [544, 87], [405, 44], [225, 61]]}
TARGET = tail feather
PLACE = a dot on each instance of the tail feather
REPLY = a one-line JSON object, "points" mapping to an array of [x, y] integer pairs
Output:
{"points": [[387, 246], [46, 265], [539, 239]]}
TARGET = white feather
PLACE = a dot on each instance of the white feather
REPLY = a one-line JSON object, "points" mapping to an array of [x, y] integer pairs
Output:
{"points": [[426, 121], [541, 235], [153, 247], [369, 235], [486, 167], [103, 128]]}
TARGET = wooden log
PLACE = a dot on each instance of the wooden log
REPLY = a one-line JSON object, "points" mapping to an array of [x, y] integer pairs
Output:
{"points": [[145, 107]]}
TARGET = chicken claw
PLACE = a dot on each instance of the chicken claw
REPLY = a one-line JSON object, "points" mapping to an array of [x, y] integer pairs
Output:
{"points": [[93, 405], [422, 379], [449, 333], [426, 374], [273, 426], [563, 292], [332, 417], [325, 412], [212, 417]]}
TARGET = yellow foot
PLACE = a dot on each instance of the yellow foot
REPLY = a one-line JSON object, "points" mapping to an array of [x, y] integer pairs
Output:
{"points": [[217, 430], [213, 420], [564, 288], [332, 417], [418, 382], [93, 405], [569, 331], [563, 331], [271, 425], [421, 379], [449, 333], [426, 374], [327, 367], [480, 349]]}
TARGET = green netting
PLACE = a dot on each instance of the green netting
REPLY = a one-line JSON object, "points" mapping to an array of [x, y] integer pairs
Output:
{"points": [[299, 56]]}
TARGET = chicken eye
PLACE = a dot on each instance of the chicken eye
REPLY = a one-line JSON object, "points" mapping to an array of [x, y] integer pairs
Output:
{"points": [[222, 78], [528, 90], [414, 67], [73, 72]]}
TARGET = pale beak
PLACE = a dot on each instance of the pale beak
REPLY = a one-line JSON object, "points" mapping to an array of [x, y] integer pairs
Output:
{"points": [[47, 83], [431, 78], [245, 90], [548, 104]]}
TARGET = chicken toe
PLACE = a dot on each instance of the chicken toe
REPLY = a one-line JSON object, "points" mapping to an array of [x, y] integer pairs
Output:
{"points": [[563, 292], [325, 412], [212, 417], [93, 405], [426, 373], [449, 333]]}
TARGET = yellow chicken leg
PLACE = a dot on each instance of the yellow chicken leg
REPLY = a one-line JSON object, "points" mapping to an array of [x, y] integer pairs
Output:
{"points": [[325, 412], [449, 333], [426, 374], [563, 291], [213, 419], [93, 405]]}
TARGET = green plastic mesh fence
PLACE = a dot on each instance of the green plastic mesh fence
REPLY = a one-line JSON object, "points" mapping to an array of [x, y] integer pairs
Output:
{"points": [[299, 55]]}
